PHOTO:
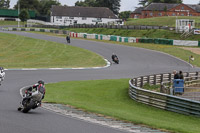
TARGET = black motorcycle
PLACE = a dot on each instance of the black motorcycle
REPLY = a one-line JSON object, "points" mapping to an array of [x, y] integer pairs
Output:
{"points": [[31, 100], [68, 39], [116, 60]]}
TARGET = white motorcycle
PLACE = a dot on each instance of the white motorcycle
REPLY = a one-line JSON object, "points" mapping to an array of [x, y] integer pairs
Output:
{"points": [[31, 99], [2, 74]]}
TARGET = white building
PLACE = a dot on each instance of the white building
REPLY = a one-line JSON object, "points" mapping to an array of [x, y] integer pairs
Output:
{"points": [[66, 15]]}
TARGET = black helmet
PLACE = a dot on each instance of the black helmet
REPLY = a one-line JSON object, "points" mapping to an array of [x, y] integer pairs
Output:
{"points": [[41, 82]]}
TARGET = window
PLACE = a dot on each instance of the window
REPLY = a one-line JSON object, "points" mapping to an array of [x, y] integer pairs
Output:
{"points": [[150, 14], [71, 17], [136, 16], [159, 14], [182, 8], [84, 18], [182, 14], [98, 18], [173, 14], [58, 17]]}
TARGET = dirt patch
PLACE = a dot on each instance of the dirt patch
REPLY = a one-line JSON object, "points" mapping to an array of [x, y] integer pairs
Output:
{"points": [[194, 50]]}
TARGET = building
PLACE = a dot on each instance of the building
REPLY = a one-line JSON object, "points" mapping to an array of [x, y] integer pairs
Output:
{"points": [[137, 13], [166, 9], [66, 15]]}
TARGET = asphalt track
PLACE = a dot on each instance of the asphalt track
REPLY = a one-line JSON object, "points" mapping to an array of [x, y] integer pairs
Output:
{"points": [[133, 62]]}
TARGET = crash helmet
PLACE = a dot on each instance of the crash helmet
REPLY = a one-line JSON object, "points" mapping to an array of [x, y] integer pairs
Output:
{"points": [[41, 82]]}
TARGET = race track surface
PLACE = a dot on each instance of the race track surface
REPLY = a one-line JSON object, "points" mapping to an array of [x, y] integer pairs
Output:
{"points": [[133, 62]]}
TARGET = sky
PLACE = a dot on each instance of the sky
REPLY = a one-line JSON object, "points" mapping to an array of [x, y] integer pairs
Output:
{"points": [[126, 5]]}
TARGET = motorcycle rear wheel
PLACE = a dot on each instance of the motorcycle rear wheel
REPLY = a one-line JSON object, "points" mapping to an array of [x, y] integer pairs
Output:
{"points": [[28, 106]]}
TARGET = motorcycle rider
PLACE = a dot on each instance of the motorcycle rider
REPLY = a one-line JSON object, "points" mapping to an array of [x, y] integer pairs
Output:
{"points": [[114, 56], [38, 86], [68, 38], [2, 74]]}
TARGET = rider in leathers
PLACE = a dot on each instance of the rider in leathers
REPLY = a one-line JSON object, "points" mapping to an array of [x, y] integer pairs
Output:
{"points": [[38, 86]]}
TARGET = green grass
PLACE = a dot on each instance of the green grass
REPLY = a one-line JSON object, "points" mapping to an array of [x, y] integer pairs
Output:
{"points": [[160, 21], [152, 87], [154, 33], [110, 98], [10, 23], [23, 52]]}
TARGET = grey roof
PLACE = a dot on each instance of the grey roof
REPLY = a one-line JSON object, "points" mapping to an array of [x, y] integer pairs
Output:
{"points": [[159, 6], [76, 11], [138, 10], [195, 7]]}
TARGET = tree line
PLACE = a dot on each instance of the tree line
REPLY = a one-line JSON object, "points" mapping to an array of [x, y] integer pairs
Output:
{"points": [[4, 4], [41, 7], [113, 5], [147, 2]]}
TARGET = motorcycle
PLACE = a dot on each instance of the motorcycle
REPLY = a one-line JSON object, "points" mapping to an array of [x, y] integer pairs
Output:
{"points": [[68, 39], [116, 60], [31, 99], [2, 74]]}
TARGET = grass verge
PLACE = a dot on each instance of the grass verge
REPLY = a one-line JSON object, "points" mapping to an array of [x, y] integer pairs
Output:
{"points": [[23, 52], [10, 23], [110, 97], [161, 21]]}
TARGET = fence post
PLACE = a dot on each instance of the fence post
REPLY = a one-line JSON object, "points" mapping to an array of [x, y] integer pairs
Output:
{"points": [[154, 79], [197, 74], [142, 78], [161, 80], [148, 79], [170, 78], [136, 82]]}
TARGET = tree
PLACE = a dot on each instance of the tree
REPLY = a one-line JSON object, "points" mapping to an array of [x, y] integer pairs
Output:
{"points": [[143, 2], [165, 1], [165, 9], [28, 4], [124, 15], [41, 7], [45, 6], [86, 3], [5, 4], [146, 2], [24, 15], [113, 5]]}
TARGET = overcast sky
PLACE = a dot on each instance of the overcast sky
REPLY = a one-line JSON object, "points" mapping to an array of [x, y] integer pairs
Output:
{"points": [[125, 4]]}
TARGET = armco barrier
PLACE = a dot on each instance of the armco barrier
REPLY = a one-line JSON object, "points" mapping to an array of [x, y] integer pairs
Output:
{"points": [[160, 100], [163, 41], [186, 43], [85, 35]]}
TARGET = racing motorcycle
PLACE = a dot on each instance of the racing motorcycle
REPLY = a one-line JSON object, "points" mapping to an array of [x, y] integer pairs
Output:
{"points": [[68, 39], [2, 74], [116, 60], [31, 99]]}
